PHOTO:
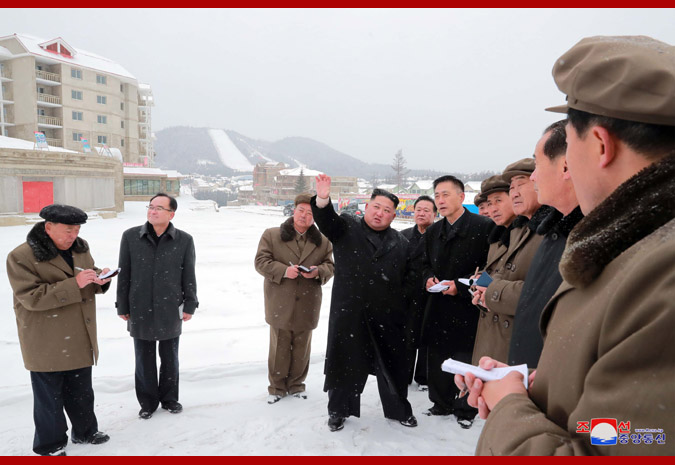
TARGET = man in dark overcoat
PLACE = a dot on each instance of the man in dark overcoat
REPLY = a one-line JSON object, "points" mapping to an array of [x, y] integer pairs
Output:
{"points": [[424, 215], [54, 282], [453, 248], [368, 311], [156, 292]]}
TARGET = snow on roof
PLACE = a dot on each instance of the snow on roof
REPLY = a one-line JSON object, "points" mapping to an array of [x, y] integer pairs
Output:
{"points": [[475, 185], [144, 171], [4, 52], [173, 174], [81, 58], [296, 172], [228, 152], [116, 153], [246, 188], [12, 143], [425, 184]]}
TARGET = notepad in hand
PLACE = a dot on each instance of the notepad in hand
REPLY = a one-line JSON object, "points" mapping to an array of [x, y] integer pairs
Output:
{"points": [[460, 368], [109, 274]]}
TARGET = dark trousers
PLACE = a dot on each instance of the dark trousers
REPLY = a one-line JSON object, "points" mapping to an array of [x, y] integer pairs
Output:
{"points": [[347, 402], [417, 366], [52, 393], [152, 390], [442, 389]]}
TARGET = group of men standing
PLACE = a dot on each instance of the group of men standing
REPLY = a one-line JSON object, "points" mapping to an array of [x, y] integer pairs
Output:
{"points": [[584, 301], [54, 280], [577, 245]]}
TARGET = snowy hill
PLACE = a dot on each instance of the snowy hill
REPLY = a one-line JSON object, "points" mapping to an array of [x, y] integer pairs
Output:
{"points": [[225, 152]]}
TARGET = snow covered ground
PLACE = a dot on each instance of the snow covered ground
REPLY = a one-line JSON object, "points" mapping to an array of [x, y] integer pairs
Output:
{"points": [[223, 355]]}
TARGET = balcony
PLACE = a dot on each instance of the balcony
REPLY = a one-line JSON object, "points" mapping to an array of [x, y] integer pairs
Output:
{"points": [[54, 142], [5, 75], [47, 100], [49, 121], [47, 78]]}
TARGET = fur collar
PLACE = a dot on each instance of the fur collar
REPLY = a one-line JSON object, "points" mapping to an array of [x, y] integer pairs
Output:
{"points": [[540, 215], [288, 232], [556, 222], [44, 249], [499, 234], [634, 210]]}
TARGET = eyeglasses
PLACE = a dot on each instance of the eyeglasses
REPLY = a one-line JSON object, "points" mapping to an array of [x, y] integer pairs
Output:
{"points": [[159, 209]]}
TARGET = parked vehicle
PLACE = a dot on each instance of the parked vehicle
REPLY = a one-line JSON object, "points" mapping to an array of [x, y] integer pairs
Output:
{"points": [[352, 209]]}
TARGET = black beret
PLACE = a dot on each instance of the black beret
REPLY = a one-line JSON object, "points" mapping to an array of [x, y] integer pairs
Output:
{"points": [[64, 214]]}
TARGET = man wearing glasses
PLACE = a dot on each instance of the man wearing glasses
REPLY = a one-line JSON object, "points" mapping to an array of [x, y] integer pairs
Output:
{"points": [[156, 292]]}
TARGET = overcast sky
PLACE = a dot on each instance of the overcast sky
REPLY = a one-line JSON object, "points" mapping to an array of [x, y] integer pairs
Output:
{"points": [[458, 90]]}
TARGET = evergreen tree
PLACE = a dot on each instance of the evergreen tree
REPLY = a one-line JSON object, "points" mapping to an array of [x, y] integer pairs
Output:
{"points": [[400, 170], [301, 183]]}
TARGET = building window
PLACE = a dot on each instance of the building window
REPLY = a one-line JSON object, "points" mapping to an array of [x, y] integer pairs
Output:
{"points": [[102, 119], [122, 142], [122, 106], [101, 79], [76, 73], [77, 116], [122, 124], [77, 136], [102, 99], [141, 186], [76, 94], [121, 87], [102, 139]]}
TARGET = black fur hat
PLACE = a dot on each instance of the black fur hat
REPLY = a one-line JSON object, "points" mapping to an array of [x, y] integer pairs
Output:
{"points": [[64, 214]]}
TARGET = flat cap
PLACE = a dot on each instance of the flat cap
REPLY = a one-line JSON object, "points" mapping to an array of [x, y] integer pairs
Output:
{"points": [[625, 77], [302, 198], [524, 167], [493, 184], [64, 214], [479, 198]]}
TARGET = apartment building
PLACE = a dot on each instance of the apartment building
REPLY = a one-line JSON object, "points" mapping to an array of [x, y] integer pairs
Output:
{"points": [[69, 95]]}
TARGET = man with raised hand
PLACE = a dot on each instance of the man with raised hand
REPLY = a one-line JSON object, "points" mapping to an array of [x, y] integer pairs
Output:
{"points": [[368, 312]]}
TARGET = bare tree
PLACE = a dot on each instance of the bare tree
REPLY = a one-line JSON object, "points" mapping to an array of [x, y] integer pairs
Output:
{"points": [[400, 170]]}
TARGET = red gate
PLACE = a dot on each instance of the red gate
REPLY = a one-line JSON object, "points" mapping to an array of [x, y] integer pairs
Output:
{"points": [[37, 195]]}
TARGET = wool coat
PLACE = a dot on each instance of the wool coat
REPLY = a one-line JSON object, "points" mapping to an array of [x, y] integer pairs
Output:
{"points": [[56, 320], [608, 332], [542, 280], [293, 304], [493, 334], [417, 294], [368, 310], [157, 282], [450, 254]]}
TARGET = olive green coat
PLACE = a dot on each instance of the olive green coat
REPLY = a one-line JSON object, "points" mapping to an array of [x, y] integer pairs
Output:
{"points": [[608, 333], [56, 320], [293, 304], [501, 297]]}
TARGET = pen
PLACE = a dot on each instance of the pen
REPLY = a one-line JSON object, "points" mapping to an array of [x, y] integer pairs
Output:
{"points": [[79, 269]]}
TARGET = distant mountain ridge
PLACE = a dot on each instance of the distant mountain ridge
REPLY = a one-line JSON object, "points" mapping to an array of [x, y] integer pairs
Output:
{"points": [[192, 150]]}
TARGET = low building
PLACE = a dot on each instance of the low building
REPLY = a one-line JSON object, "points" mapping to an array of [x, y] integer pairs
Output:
{"points": [[141, 184], [32, 178]]}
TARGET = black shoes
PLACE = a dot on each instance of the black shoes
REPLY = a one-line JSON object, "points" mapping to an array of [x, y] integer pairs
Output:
{"points": [[173, 407], [98, 437], [437, 410], [465, 423], [410, 422], [145, 414], [336, 423], [60, 452], [300, 395]]}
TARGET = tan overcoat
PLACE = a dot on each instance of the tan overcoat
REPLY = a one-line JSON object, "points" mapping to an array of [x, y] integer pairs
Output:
{"points": [[293, 304], [501, 297], [56, 320]]}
